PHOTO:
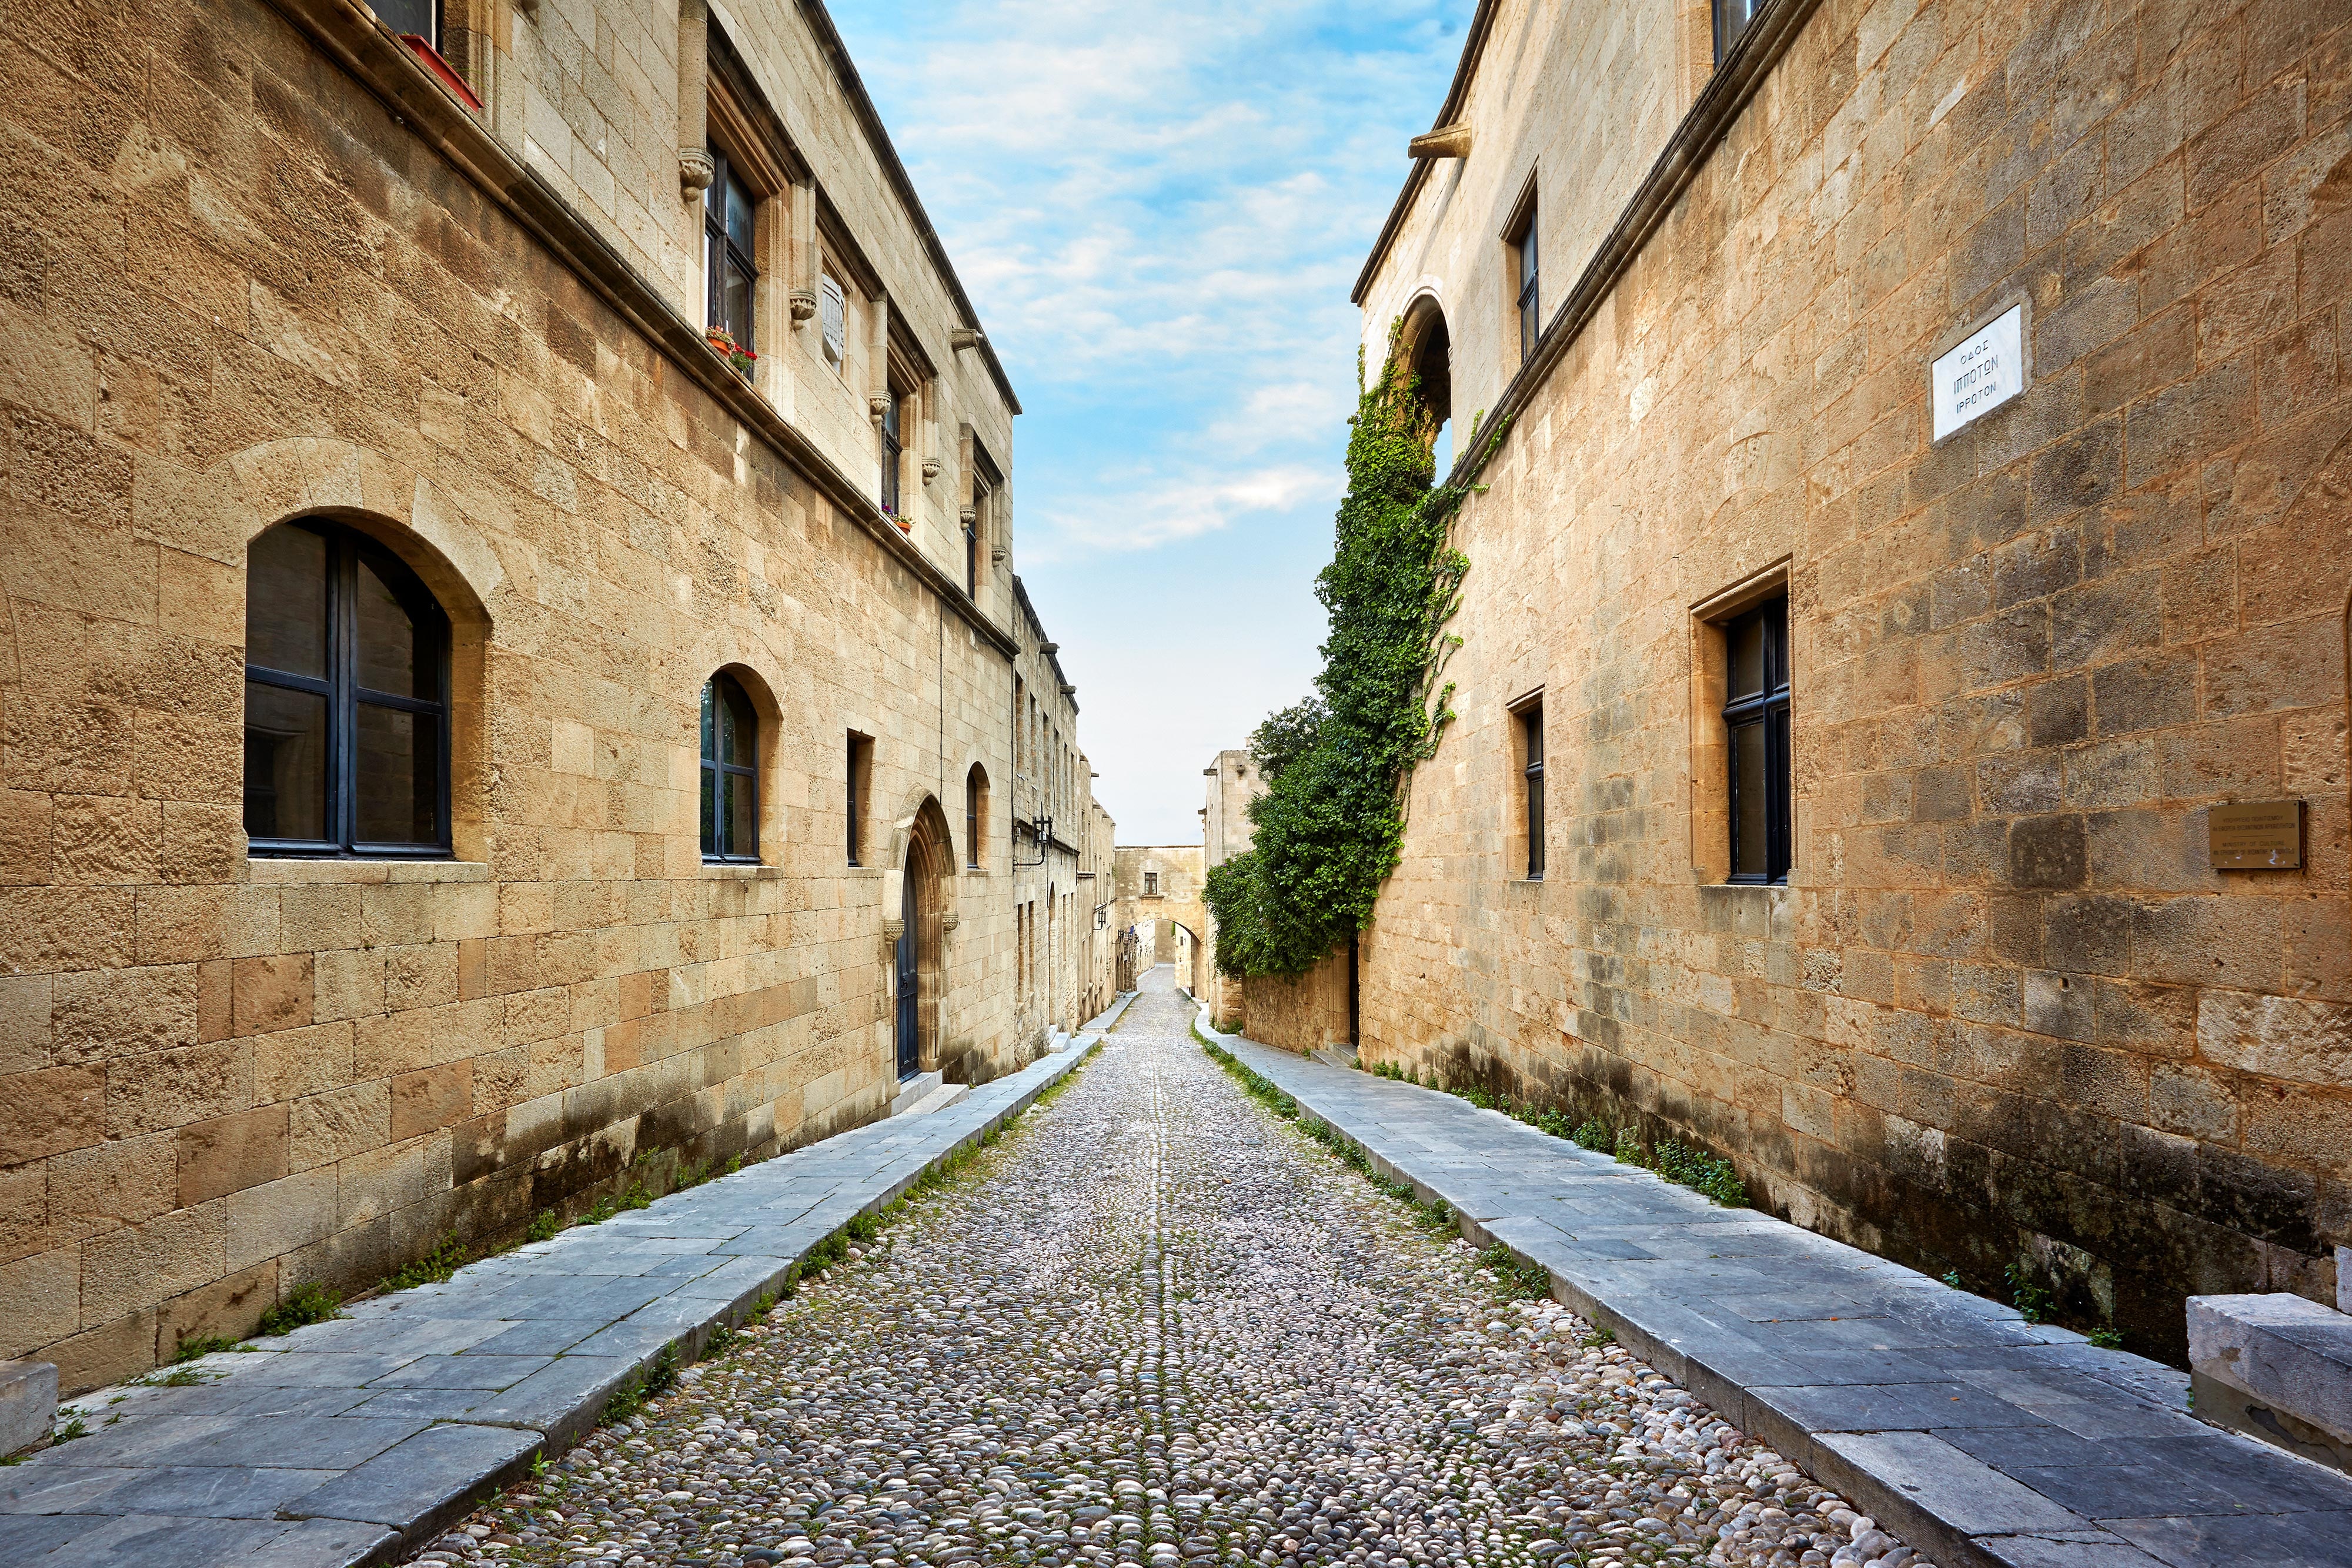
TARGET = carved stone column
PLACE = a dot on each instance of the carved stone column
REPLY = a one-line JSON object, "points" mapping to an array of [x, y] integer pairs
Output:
{"points": [[695, 170]]}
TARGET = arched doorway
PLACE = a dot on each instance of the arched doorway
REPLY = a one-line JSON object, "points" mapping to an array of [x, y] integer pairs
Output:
{"points": [[910, 972], [917, 964]]}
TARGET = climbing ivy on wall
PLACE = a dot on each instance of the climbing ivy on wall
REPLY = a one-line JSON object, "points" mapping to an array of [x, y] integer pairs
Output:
{"points": [[1329, 826]]}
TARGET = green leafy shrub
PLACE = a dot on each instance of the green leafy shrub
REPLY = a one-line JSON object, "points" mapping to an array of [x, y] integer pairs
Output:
{"points": [[1596, 1135], [307, 1304], [1330, 824], [195, 1345], [631, 1396], [448, 1256], [2108, 1338], [2033, 1304], [1703, 1172], [1529, 1281], [545, 1226], [1628, 1146]]}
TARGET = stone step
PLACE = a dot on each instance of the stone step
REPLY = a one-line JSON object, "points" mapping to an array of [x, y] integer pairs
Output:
{"points": [[939, 1097], [911, 1091]]}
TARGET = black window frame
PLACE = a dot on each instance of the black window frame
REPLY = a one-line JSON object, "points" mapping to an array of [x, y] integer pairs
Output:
{"points": [[719, 847], [973, 526], [975, 789], [1765, 710], [1532, 798], [1529, 296], [434, 23], [1732, 17], [893, 448], [719, 252], [346, 548]]}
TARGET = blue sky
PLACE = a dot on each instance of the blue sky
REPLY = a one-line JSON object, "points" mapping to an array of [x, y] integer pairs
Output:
{"points": [[1158, 209]]}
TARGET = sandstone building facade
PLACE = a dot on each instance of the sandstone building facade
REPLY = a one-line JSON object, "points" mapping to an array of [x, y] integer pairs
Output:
{"points": [[1159, 902], [475, 737], [1853, 800]]}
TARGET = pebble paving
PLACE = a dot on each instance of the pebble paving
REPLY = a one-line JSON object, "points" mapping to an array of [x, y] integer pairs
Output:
{"points": [[1156, 1325]]}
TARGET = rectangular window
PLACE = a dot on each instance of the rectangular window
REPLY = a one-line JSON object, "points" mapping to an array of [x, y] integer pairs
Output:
{"points": [[894, 447], [1756, 726], [411, 18], [1151, 885], [1531, 772], [859, 788], [975, 529], [1528, 295], [729, 247], [1731, 19]]}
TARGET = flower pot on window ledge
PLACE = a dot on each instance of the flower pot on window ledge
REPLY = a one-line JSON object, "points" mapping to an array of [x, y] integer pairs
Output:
{"points": [[905, 524], [740, 358]]}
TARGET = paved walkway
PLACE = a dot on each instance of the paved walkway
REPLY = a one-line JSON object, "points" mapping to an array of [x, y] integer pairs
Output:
{"points": [[1979, 1436], [1158, 1325], [342, 1442]]}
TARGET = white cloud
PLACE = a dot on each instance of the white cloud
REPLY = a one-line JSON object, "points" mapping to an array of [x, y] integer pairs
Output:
{"points": [[1158, 207], [1145, 512]]}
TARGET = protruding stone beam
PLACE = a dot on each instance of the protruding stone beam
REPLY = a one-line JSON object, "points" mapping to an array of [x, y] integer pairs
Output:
{"points": [[1445, 141]]}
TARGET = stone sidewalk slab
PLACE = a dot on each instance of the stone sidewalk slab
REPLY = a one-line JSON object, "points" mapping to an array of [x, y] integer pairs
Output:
{"points": [[351, 1442], [1980, 1438]]}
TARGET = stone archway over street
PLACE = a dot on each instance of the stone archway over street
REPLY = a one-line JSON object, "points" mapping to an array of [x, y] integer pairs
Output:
{"points": [[1159, 895]]}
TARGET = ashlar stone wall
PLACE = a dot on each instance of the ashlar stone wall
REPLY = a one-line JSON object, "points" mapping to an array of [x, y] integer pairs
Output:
{"points": [[238, 287], [2005, 1013]]}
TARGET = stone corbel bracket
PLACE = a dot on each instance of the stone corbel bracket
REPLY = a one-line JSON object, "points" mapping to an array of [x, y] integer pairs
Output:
{"points": [[879, 405], [1445, 141], [803, 304], [695, 171]]}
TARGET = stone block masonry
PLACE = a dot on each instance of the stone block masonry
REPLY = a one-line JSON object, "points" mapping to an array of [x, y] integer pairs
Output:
{"points": [[2004, 1014], [262, 269], [349, 1442], [28, 1403]]}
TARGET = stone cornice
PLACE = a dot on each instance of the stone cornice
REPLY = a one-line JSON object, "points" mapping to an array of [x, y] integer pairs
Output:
{"points": [[1727, 93], [348, 33], [885, 152]]}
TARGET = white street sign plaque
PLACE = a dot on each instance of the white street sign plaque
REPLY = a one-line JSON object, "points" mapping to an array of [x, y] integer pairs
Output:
{"points": [[1983, 372]]}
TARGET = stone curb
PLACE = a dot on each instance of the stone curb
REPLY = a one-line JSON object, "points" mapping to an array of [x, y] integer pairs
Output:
{"points": [[415, 1472], [2070, 1451]]}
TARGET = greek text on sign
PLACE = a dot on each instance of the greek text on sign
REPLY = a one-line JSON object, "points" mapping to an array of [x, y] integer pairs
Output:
{"points": [[2256, 835], [1984, 372]]}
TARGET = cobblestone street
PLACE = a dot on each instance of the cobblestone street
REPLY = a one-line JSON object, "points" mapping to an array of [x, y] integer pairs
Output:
{"points": [[1156, 1324]]}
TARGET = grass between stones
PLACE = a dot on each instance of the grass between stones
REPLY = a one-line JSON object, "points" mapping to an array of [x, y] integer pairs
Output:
{"points": [[1695, 1168]]}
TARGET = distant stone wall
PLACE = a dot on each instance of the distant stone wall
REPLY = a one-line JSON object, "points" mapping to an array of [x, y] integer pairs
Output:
{"points": [[1299, 1012]]}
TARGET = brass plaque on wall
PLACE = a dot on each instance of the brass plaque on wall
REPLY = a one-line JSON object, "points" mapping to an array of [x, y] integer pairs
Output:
{"points": [[2256, 835]]}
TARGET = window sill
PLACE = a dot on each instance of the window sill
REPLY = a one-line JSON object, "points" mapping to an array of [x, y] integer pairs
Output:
{"points": [[294, 871], [740, 870]]}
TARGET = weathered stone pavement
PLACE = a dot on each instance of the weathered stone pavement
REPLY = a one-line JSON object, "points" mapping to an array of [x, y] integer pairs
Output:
{"points": [[1157, 1325], [1982, 1437], [346, 1441]]}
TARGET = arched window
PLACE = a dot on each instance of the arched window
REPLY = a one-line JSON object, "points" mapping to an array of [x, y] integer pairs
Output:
{"points": [[975, 814], [1428, 357], [731, 780], [346, 698]]}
